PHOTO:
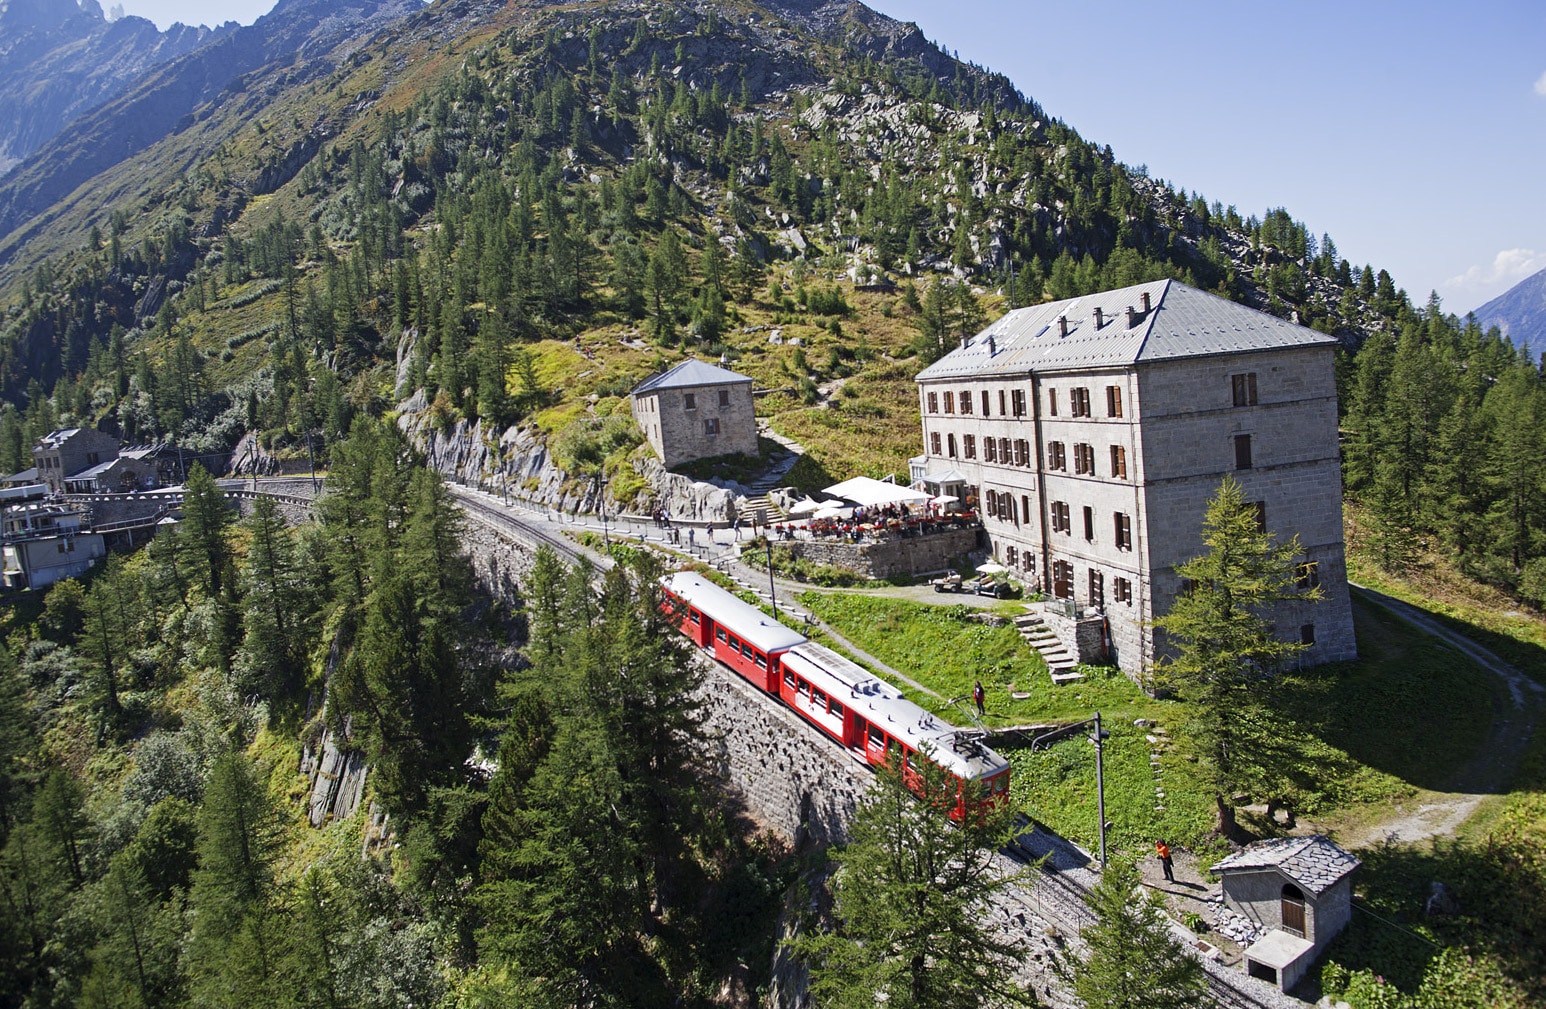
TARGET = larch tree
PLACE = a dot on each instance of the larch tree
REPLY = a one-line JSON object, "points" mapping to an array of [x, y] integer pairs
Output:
{"points": [[1133, 961], [909, 894], [1225, 648]]}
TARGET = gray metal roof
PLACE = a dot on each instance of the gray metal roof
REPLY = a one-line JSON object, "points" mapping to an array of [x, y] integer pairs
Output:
{"points": [[1314, 862], [689, 374], [1182, 322]]}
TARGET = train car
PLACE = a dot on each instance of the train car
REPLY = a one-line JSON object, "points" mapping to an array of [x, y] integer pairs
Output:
{"points": [[862, 712], [871, 717], [741, 636]]}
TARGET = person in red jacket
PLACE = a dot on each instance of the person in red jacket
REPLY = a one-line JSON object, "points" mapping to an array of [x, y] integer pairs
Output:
{"points": [[1163, 850], [979, 698]]}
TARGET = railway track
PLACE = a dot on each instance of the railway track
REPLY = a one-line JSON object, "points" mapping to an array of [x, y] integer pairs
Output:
{"points": [[1056, 893]]}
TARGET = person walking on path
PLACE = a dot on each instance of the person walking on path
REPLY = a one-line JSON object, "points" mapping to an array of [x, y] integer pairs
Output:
{"points": [[737, 527], [1163, 851], [979, 698]]}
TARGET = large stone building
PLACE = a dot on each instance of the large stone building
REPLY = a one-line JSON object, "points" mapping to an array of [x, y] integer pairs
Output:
{"points": [[1092, 432], [61, 454], [696, 411]]}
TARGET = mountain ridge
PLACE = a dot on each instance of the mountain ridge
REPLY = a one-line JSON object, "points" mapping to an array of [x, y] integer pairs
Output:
{"points": [[1520, 312]]}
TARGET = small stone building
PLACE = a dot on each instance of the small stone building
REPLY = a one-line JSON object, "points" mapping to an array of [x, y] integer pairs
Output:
{"points": [[63, 453], [1300, 890], [696, 411]]}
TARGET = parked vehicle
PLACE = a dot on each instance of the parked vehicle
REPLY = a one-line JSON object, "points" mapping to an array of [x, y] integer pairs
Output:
{"points": [[947, 583]]}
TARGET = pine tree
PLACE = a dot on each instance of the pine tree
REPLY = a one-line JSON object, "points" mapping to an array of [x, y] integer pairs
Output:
{"points": [[1133, 961], [1225, 648], [909, 892]]}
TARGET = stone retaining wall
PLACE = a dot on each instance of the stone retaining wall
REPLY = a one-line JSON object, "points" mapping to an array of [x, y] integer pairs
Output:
{"points": [[912, 555]]}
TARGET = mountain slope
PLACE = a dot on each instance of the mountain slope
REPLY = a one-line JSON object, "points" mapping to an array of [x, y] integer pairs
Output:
{"points": [[1520, 312], [59, 59], [175, 95]]}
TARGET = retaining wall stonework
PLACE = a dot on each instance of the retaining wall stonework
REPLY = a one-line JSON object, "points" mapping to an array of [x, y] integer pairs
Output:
{"points": [[913, 555]]}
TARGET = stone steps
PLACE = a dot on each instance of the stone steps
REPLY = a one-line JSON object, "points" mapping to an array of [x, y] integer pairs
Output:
{"points": [[1061, 664]]}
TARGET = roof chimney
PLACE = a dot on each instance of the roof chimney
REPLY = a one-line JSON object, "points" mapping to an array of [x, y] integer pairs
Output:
{"points": [[1146, 303], [992, 347], [1132, 317], [1100, 317], [1062, 325]]}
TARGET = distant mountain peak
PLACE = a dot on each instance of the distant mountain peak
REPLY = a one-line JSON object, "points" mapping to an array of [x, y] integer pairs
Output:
{"points": [[1520, 312]]}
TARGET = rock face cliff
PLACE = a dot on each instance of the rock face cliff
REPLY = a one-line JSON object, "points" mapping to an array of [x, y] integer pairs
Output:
{"points": [[60, 58]]}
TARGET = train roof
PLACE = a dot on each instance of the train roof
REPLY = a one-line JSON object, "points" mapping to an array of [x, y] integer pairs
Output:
{"points": [[746, 622], [878, 702]]}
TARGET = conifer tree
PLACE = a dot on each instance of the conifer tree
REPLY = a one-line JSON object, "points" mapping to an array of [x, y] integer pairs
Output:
{"points": [[1225, 648], [909, 892], [1133, 961]]}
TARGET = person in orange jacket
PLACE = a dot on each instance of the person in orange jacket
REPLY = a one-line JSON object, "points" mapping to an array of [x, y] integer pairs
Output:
{"points": [[1163, 850]]}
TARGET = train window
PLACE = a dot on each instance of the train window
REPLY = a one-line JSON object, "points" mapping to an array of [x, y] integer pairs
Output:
{"points": [[735, 646], [692, 615], [789, 681], [912, 760], [836, 709], [819, 699], [803, 689], [719, 633], [1001, 783], [762, 663], [877, 739]]}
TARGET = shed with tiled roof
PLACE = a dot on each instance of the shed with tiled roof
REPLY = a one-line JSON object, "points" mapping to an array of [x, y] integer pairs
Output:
{"points": [[1299, 891]]}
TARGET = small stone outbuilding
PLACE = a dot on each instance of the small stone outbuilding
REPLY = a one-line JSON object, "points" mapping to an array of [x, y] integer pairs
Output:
{"points": [[61, 454], [696, 411], [1299, 889]]}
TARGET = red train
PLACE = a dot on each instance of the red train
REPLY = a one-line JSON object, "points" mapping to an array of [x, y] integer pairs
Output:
{"points": [[866, 714]]}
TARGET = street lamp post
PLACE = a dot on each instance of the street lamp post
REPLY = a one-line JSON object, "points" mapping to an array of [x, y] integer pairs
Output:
{"points": [[1100, 786], [772, 592]]}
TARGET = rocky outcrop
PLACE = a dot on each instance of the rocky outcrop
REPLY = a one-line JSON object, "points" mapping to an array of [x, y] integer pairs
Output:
{"points": [[518, 463]]}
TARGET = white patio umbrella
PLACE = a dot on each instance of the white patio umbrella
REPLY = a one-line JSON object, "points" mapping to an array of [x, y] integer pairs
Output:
{"points": [[944, 499], [805, 507], [991, 568], [832, 510]]}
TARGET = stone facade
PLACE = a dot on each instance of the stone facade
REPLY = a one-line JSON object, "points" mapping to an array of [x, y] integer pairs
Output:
{"points": [[696, 411], [914, 555], [63, 453], [1092, 464]]}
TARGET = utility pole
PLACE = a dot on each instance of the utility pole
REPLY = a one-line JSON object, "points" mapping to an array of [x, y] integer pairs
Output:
{"points": [[1100, 786], [772, 592]]}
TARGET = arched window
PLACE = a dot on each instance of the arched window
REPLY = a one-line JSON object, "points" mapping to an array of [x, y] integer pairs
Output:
{"points": [[1293, 910]]}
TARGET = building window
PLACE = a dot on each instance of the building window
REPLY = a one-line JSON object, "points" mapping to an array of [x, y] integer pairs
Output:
{"points": [[1056, 458], [1118, 462], [1307, 634], [711, 427], [950, 443], [1001, 408], [1028, 561], [724, 398], [1113, 401], [1089, 524], [1242, 451], [934, 442], [1006, 507], [990, 450], [950, 402], [985, 411], [990, 504], [969, 446], [1017, 399], [1025, 506], [1261, 515], [1004, 454], [1309, 575], [1061, 519], [1084, 459], [1079, 402], [1122, 591], [1243, 388], [1052, 402], [934, 402], [689, 401], [1062, 579], [966, 402], [1122, 526], [1097, 589], [1188, 586], [1022, 452], [1011, 556]]}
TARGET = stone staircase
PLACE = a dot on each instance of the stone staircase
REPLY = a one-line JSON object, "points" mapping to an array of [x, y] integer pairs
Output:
{"points": [[1061, 663], [748, 507]]}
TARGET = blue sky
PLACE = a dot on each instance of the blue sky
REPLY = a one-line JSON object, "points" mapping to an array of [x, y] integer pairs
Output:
{"points": [[1414, 133]]}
